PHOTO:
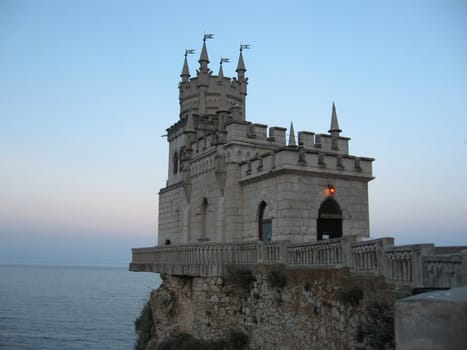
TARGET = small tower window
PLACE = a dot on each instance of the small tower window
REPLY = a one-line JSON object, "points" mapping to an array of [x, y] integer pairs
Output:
{"points": [[204, 219], [175, 163]]}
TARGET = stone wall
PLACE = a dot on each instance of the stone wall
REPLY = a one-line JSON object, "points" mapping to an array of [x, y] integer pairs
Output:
{"points": [[315, 309], [432, 321]]}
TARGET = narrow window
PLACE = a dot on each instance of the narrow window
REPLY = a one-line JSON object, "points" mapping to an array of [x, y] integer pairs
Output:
{"points": [[175, 163], [264, 223], [204, 219]]}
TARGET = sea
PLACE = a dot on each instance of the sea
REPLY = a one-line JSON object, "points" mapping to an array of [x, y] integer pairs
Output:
{"points": [[74, 307]]}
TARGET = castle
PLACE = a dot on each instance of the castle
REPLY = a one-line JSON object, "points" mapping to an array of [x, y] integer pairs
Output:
{"points": [[243, 199], [240, 193], [232, 180]]}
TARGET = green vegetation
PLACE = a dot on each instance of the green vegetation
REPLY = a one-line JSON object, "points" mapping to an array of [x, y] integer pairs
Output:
{"points": [[276, 277], [377, 330], [144, 326], [236, 340], [240, 276], [352, 296]]}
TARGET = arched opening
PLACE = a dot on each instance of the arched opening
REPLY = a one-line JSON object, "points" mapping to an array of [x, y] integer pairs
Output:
{"points": [[329, 223], [175, 163], [204, 219], [264, 223]]}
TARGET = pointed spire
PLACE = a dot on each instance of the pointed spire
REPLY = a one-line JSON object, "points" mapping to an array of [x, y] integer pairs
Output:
{"points": [[185, 70], [334, 122], [241, 64], [292, 136], [204, 54], [203, 58], [221, 72]]}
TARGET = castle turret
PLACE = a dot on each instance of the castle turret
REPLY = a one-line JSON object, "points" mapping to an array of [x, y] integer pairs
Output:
{"points": [[334, 131], [241, 66], [189, 132], [203, 76], [223, 110], [202, 91], [242, 80], [185, 70], [203, 57]]}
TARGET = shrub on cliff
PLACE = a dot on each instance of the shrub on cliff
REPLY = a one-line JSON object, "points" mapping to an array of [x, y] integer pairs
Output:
{"points": [[352, 296], [276, 277], [377, 330], [144, 326], [181, 341], [239, 276], [236, 340]]}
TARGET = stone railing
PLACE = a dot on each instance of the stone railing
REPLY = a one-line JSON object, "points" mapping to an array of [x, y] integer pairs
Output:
{"points": [[415, 265], [368, 256], [443, 271], [322, 253]]}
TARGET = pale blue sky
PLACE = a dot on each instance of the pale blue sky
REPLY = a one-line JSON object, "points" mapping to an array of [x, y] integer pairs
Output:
{"points": [[87, 88]]}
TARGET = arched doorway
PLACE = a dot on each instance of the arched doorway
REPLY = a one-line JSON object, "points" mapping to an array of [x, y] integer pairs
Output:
{"points": [[264, 223], [329, 223]]}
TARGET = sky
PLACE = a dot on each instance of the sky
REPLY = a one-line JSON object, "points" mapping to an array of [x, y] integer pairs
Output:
{"points": [[88, 87]]}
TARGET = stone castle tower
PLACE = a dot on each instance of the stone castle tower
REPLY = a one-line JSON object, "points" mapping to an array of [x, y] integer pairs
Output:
{"points": [[231, 180]]}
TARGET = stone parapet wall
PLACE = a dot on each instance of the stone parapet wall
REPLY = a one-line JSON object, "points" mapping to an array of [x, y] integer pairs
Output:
{"points": [[413, 265]]}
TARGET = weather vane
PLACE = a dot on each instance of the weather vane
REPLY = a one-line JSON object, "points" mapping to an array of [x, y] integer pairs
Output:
{"points": [[245, 46], [208, 36], [189, 52], [225, 60]]}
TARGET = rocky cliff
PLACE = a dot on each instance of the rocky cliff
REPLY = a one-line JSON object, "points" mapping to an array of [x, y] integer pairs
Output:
{"points": [[277, 309]]}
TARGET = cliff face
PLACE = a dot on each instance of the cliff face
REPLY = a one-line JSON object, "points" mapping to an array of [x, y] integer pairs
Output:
{"points": [[277, 309]]}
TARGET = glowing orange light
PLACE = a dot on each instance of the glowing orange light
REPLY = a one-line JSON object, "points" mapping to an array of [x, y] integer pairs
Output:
{"points": [[331, 189]]}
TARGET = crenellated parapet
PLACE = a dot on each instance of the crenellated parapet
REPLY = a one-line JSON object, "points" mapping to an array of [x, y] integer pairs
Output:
{"points": [[312, 161], [219, 93]]}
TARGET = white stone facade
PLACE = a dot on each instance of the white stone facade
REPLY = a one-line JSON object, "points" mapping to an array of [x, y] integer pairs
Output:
{"points": [[230, 180]]}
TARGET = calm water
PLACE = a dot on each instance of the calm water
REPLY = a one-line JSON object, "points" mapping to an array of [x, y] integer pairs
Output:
{"points": [[70, 307]]}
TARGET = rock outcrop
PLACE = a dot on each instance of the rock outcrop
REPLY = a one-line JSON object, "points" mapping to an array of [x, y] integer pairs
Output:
{"points": [[276, 308]]}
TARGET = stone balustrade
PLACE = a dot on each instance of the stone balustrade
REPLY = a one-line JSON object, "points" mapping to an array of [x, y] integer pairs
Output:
{"points": [[415, 265], [322, 253], [443, 271], [368, 256]]}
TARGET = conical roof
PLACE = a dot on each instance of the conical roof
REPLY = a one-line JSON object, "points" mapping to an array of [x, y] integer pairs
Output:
{"points": [[185, 69], [203, 57], [292, 136], [334, 122], [240, 64]]}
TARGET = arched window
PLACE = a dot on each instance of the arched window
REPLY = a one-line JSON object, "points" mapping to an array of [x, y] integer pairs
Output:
{"points": [[329, 223], [264, 223], [204, 219], [175, 163]]}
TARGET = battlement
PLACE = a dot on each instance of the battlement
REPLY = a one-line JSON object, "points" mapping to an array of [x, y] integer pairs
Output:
{"points": [[301, 160], [221, 93]]}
